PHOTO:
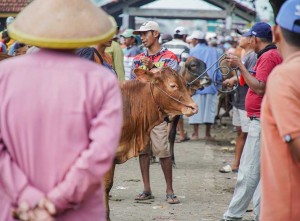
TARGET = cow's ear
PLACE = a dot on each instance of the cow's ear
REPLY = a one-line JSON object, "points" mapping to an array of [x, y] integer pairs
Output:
{"points": [[143, 75]]}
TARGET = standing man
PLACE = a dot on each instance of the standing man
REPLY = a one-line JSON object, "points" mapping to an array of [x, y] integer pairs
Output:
{"points": [[116, 53], [155, 57], [131, 50], [61, 116], [280, 123], [248, 180], [181, 49], [178, 45], [206, 99], [240, 119]]}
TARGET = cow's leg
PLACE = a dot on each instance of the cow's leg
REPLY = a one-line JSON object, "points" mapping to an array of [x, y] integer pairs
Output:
{"points": [[172, 136], [108, 183]]}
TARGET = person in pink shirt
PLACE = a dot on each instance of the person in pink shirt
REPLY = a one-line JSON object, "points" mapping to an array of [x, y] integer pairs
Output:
{"points": [[60, 115]]}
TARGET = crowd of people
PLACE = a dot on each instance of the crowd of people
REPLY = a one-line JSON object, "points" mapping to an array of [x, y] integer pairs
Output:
{"points": [[71, 106]]}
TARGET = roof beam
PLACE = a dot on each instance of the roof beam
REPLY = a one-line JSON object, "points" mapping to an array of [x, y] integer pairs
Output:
{"points": [[235, 8], [176, 13]]}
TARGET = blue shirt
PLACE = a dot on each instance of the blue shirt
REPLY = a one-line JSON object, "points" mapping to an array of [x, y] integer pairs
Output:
{"points": [[208, 55]]}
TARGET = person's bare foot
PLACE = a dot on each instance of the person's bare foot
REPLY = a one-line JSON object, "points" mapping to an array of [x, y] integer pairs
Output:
{"points": [[194, 137], [209, 138]]}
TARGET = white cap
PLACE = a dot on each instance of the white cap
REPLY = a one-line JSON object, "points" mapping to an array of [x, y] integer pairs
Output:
{"points": [[180, 31], [228, 38], [198, 35], [147, 26], [9, 20]]}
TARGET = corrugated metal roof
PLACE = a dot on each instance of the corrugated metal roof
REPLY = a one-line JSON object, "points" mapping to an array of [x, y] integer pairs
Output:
{"points": [[12, 6]]}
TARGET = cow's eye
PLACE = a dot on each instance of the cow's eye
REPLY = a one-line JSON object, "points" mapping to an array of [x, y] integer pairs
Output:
{"points": [[173, 85]]}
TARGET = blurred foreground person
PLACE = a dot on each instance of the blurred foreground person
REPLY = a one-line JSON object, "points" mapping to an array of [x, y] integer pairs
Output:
{"points": [[280, 125], [61, 116]]}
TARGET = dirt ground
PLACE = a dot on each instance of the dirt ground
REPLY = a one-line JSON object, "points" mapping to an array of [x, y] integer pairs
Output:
{"points": [[204, 192]]}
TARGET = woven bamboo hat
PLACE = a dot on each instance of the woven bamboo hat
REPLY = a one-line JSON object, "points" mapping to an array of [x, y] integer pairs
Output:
{"points": [[62, 24]]}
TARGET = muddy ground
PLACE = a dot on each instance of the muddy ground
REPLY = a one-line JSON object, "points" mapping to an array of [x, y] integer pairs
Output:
{"points": [[204, 192]]}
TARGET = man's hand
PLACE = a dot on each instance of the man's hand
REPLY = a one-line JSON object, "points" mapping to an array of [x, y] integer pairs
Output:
{"points": [[233, 61], [147, 62], [229, 83], [44, 211]]}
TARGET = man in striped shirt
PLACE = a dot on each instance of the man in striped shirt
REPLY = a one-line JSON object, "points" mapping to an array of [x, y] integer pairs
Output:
{"points": [[155, 56]]}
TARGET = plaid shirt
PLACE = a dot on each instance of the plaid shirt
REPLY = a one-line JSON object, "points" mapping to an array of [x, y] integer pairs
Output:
{"points": [[163, 58]]}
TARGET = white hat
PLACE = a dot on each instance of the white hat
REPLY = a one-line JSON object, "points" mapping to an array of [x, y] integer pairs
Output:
{"points": [[9, 20], [147, 26], [180, 31], [198, 35], [228, 38]]}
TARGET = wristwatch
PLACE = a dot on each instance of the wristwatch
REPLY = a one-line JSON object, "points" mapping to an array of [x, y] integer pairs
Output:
{"points": [[287, 138]]}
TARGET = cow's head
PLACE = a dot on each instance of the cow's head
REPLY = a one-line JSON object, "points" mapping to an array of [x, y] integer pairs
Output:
{"points": [[169, 91], [192, 69]]}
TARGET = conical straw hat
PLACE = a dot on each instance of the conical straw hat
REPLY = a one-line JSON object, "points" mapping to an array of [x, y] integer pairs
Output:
{"points": [[62, 24]]}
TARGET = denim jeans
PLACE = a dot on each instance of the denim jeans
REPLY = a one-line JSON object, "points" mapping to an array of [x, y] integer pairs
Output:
{"points": [[248, 180]]}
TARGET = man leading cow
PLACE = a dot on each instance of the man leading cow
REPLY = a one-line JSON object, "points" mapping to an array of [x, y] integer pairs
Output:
{"points": [[155, 56]]}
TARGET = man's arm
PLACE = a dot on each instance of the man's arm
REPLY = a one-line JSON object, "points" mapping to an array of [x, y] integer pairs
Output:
{"points": [[294, 146], [257, 86], [118, 60], [15, 182], [283, 97]]}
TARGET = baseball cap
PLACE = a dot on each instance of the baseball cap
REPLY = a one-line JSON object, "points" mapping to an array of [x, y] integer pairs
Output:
{"points": [[198, 35], [180, 31], [242, 32], [260, 30], [128, 33], [147, 26], [289, 16]]}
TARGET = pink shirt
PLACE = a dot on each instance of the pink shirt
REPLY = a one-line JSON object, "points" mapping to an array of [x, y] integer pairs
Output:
{"points": [[60, 124]]}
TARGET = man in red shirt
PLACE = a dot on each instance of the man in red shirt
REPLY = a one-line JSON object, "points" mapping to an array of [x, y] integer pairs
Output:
{"points": [[248, 180]]}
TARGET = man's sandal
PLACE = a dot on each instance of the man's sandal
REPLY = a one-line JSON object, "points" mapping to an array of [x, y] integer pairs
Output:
{"points": [[172, 199], [144, 196]]}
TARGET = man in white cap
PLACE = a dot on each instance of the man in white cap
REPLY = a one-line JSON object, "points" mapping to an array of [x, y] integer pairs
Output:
{"points": [[206, 98], [130, 51], [155, 57], [61, 115]]}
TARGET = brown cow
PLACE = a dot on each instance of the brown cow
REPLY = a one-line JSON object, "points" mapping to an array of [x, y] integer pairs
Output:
{"points": [[146, 102], [197, 79], [191, 73], [225, 99]]}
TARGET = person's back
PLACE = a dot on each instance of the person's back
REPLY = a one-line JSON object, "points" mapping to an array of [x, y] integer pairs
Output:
{"points": [[48, 114], [61, 117]]}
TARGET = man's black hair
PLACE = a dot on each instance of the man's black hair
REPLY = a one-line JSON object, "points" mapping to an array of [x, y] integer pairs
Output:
{"points": [[178, 36], [266, 40], [292, 38], [202, 41], [5, 34]]}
